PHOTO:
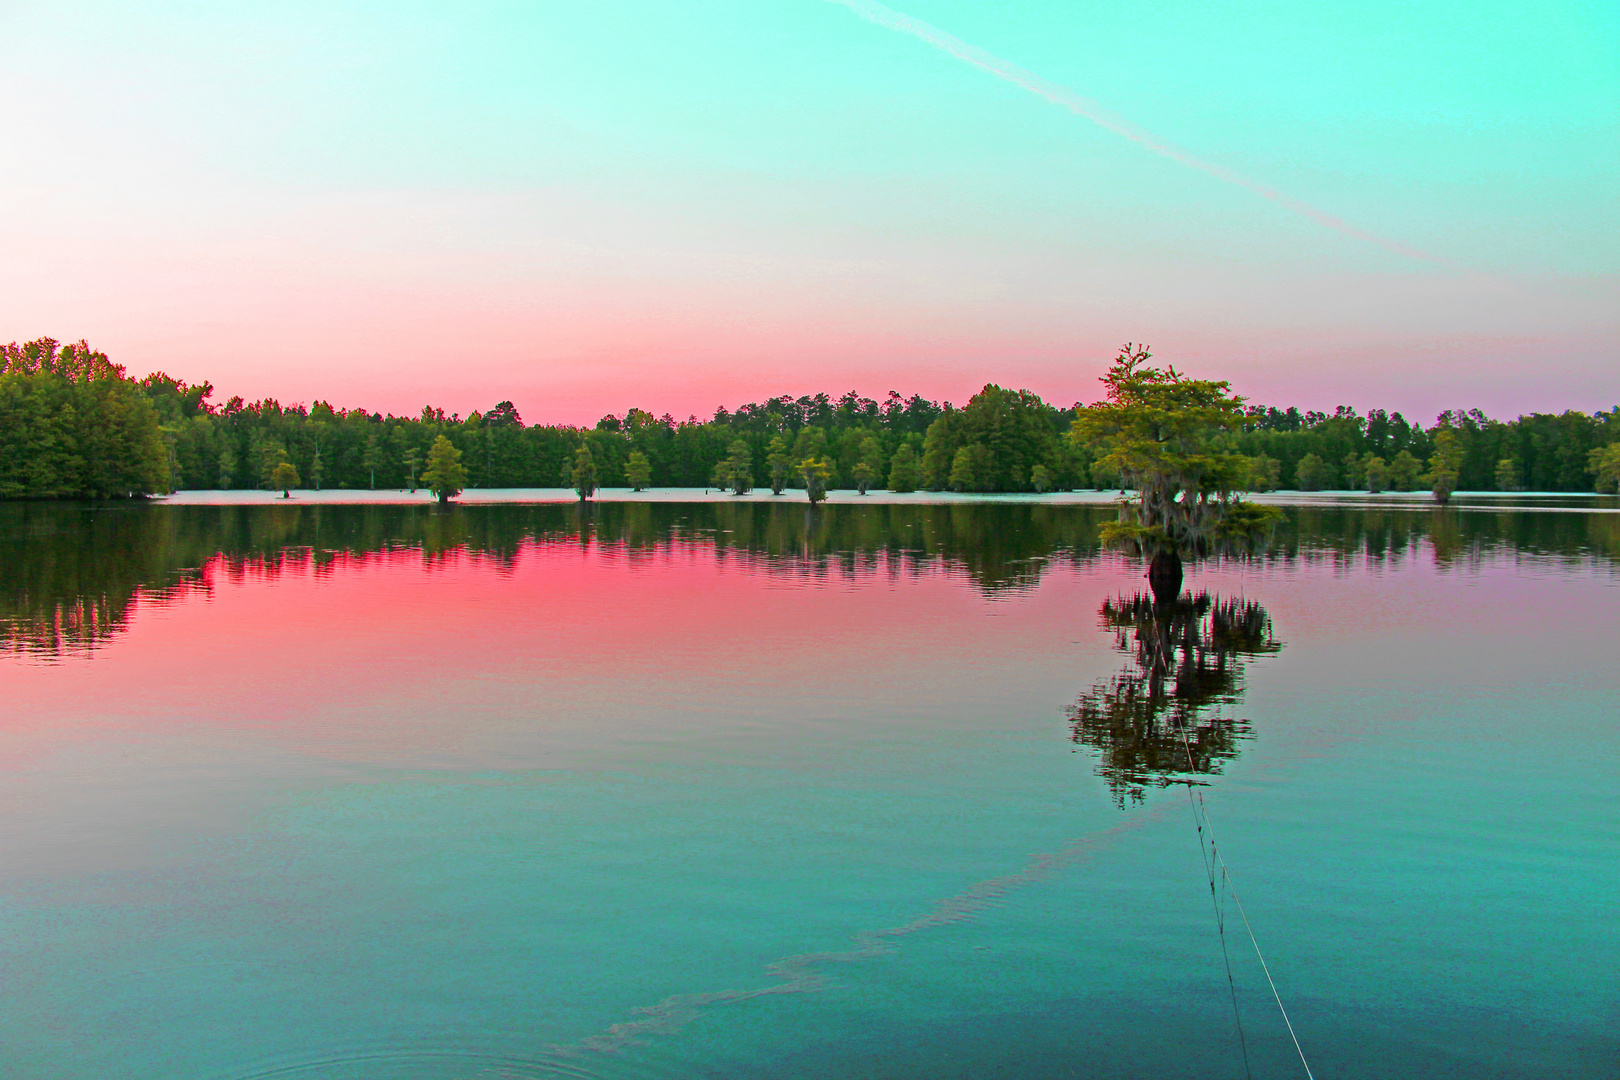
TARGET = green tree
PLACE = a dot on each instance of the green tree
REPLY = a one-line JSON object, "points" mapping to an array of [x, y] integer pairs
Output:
{"points": [[871, 452], [373, 458], [1444, 465], [938, 455], [1604, 463], [903, 469], [1508, 476], [1040, 478], [1404, 471], [1376, 472], [864, 474], [779, 464], [637, 470], [409, 459], [739, 468], [815, 472], [583, 472], [1265, 473], [1312, 473], [285, 477], [1164, 434], [445, 475], [227, 467], [972, 468]]}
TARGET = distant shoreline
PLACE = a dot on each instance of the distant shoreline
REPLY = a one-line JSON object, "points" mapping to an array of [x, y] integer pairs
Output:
{"points": [[1402, 500]]}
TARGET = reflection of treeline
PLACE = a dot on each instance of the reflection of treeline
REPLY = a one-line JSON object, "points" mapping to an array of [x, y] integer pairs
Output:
{"points": [[69, 573], [1376, 534]]}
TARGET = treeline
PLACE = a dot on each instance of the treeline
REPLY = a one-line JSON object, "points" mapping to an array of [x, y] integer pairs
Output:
{"points": [[1383, 451], [73, 424]]}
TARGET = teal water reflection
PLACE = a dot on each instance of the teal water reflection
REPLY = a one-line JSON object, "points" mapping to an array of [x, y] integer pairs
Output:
{"points": [[723, 791]]}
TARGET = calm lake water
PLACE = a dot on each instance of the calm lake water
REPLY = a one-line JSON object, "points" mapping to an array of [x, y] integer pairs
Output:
{"points": [[738, 790]]}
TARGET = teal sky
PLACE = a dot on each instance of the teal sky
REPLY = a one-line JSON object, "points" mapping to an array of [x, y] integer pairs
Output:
{"points": [[676, 206]]}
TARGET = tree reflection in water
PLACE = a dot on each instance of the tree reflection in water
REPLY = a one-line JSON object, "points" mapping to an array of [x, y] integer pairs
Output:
{"points": [[1162, 720]]}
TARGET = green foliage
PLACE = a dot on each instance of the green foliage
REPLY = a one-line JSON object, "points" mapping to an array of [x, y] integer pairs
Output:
{"points": [[445, 476], [1508, 476], [815, 472], [637, 471], [71, 426], [1445, 465], [1265, 473], [409, 460], [1040, 479], [778, 464], [76, 426], [285, 476], [583, 473], [1163, 434], [372, 459], [737, 471], [1375, 472], [1405, 471], [1604, 463], [1004, 433], [864, 475], [1313, 474], [903, 469], [972, 469]]}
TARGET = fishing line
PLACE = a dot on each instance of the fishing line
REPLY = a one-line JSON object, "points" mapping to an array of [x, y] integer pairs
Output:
{"points": [[1231, 886], [1220, 926]]}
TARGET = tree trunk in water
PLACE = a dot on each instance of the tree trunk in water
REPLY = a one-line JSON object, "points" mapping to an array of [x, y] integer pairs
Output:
{"points": [[1164, 577]]}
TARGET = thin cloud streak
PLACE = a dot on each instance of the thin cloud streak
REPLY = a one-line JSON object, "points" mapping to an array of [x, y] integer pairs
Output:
{"points": [[1091, 110]]}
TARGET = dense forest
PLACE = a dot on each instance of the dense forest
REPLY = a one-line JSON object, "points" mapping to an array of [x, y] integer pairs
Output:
{"points": [[74, 424]]}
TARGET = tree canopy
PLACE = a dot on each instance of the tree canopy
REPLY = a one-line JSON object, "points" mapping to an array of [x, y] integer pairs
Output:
{"points": [[1166, 435], [73, 424], [445, 476]]}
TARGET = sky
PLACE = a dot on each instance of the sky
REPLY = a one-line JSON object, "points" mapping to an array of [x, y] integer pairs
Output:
{"points": [[680, 205]]}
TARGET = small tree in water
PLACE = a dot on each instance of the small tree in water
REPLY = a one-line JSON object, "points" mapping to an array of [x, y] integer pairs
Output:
{"points": [[583, 473], [779, 464], [1444, 465], [737, 470], [1161, 432], [285, 477], [816, 472], [445, 476], [637, 470]]}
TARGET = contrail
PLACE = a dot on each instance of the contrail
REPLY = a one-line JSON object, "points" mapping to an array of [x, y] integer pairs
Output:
{"points": [[1091, 110], [799, 974]]}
